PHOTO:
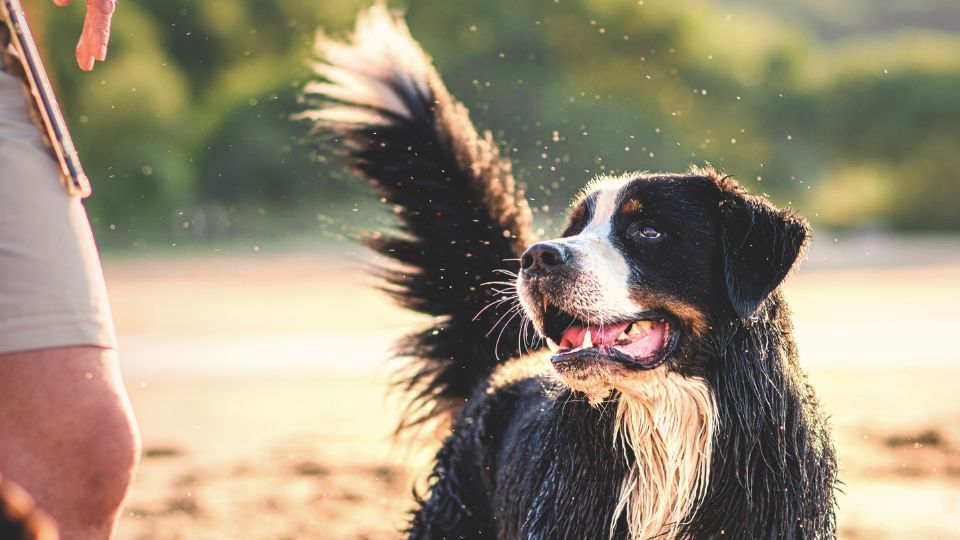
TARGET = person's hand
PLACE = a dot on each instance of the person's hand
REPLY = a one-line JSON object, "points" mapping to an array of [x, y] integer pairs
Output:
{"points": [[96, 31]]}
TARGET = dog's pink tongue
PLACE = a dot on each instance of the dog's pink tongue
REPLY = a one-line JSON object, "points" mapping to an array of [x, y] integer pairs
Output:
{"points": [[647, 344], [600, 335]]}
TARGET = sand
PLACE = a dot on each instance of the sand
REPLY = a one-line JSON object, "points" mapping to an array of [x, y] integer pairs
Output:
{"points": [[259, 381]]}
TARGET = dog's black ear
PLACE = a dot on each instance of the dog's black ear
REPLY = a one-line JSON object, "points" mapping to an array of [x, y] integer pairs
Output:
{"points": [[759, 245]]}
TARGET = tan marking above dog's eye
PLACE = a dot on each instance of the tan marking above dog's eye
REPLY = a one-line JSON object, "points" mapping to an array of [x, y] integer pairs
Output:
{"points": [[632, 206]]}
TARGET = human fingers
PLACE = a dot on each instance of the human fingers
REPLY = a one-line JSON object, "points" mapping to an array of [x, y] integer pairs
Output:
{"points": [[96, 33]]}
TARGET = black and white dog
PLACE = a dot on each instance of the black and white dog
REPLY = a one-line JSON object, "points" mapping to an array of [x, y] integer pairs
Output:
{"points": [[672, 405]]}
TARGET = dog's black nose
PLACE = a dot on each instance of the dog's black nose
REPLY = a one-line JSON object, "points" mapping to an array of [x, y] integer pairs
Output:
{"points": [[542, 258]]}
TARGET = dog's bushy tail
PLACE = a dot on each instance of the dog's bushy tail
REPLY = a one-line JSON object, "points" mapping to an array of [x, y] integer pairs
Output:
{"points": [[463, 221]]}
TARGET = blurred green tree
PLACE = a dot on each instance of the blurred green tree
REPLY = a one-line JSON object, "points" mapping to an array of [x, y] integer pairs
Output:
{"points": [[853, 120]]}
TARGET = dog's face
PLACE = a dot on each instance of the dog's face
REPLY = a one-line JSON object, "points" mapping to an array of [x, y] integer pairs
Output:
{"points": [[645, 269]]}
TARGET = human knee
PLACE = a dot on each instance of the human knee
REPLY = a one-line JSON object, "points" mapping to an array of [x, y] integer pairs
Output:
{"points": [[99, 442], [107, 460], [68, 434]]}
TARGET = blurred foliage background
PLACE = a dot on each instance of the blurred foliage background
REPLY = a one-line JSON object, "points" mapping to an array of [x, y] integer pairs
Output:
{"points": [[847, 111]]}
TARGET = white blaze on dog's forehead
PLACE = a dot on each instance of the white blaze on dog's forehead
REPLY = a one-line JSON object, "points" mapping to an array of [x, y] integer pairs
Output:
{"points": [[602, 290], [607, 193], [605, 274]]}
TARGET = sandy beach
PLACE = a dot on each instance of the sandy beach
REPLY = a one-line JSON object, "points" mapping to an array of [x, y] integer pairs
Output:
{"points": [[260, 383]]}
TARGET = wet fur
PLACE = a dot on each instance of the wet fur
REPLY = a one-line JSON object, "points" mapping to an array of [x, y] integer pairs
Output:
{"points": [[726, 440], [665, 422]]}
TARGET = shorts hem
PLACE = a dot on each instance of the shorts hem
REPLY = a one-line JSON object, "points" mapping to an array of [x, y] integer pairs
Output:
{"points": [[39, 334]]}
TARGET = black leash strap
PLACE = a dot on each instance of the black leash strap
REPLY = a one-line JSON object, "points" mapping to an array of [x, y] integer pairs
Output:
{"points": [[59, 138]]}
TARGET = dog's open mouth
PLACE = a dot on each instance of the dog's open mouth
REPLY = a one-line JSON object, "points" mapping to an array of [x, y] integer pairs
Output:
{"points": [[643, 343]]}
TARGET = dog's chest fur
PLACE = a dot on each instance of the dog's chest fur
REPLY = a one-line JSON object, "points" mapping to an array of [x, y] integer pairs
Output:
{"points": [[632, 468]]}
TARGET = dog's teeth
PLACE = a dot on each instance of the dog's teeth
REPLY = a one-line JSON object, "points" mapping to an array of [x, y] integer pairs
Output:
{"points": [[587, 339], [623, 335], [552, 346], [641, 326]]}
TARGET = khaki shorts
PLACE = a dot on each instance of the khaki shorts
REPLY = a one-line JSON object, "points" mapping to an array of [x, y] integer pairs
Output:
{"points": [[52, 292]]}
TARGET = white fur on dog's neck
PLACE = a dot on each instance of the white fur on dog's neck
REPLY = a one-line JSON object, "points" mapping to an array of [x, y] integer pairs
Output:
{"points": [[667, 422]]}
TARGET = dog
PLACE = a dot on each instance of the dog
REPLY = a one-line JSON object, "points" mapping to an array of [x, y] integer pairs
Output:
{"points": [[671, 403]]}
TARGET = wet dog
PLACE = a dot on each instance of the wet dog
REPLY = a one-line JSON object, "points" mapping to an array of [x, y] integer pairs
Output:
{"points": [[671, 404]]}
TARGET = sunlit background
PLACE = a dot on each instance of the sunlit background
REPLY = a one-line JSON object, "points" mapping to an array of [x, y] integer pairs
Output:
{"points": [[255, 350]]}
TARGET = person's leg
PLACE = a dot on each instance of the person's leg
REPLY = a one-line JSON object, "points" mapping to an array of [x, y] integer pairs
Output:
{"points": [[67, 435]]}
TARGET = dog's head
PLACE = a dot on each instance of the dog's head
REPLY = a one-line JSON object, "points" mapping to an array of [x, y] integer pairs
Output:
{"points": [[648, 266]]}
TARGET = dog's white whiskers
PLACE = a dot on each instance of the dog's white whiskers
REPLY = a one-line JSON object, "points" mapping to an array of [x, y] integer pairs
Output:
{"points": [[505, 292], [489, 305], [509, 293], [512, 284], [521, 335], [498, 321], [516, 311], [494, 303], [524, 329]]}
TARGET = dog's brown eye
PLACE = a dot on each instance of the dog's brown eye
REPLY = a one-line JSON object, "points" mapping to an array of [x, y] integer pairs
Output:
{"points": [[649, 232], [641, 232]]}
